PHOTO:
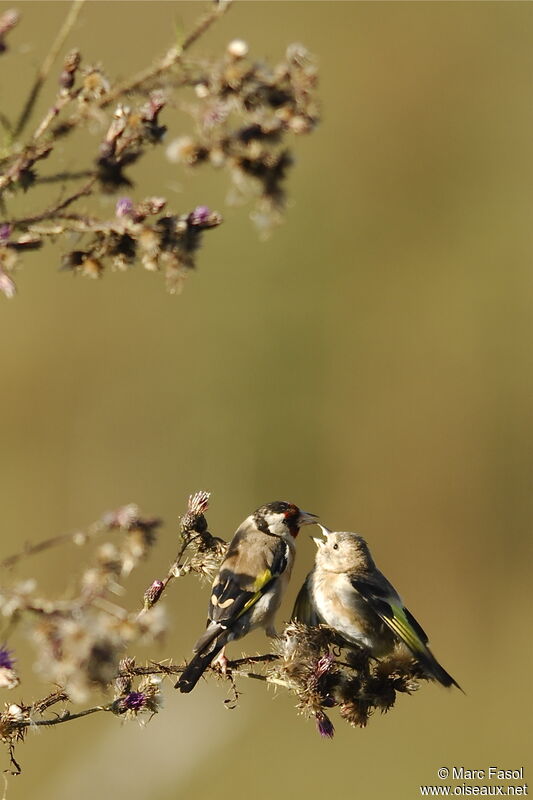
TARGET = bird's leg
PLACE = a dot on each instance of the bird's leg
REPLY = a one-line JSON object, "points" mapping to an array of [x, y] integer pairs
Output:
{"points": [[221, 662], [271, 632]]}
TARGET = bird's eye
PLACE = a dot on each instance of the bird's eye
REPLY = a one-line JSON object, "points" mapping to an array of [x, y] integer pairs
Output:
{"points": [[335, 546]]}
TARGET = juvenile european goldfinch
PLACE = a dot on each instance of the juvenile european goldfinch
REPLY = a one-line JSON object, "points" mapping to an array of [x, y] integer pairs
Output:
{"points": [[347, 592], [250, 583]]}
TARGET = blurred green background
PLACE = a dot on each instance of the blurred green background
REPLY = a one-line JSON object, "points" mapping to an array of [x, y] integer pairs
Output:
{"points": [[371, 362]]}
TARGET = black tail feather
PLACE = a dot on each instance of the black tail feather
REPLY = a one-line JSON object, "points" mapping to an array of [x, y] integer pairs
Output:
{"points": [[437, 671], [196, 668]]}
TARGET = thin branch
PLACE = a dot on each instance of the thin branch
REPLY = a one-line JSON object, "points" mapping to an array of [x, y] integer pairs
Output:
{"points": [[65, 717], [188, 537], [174, 569], [33, 549], [61, 177], [52, 112], [234, 668], [158, 668], [172, 58], [171, 574], [5, 122], [47, 65], [55, 211], [75, 538]]}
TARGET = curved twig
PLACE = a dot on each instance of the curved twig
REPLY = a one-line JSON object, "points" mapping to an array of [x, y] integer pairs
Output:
{"points": [[47, 65]]}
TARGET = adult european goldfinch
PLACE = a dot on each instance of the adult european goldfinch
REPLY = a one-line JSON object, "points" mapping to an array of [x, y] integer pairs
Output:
{"points": [[347, 592], [250, 583]]}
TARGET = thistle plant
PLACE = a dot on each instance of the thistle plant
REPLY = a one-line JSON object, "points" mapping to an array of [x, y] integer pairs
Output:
{"points": [[242, 116], [81, 643]]}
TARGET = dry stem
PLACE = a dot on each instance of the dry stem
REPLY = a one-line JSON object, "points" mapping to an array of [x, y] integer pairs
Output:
{"points": [[46, 66]]}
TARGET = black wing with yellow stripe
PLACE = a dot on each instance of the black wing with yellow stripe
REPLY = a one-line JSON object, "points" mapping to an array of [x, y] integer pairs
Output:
{"points": [[233, 593], [388, 606]]}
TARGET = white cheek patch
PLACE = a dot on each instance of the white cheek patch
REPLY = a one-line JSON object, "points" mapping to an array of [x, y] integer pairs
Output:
{"points": [[272, 518], [275, 522]]}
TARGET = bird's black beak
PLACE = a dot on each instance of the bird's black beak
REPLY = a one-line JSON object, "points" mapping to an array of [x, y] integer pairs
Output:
{"points": [[306, 518]]}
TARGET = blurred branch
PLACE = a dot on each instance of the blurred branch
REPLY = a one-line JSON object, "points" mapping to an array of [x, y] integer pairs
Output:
{"points": [[108, 522], [234, 668], [55, 211], [149, 74], [171, 59], [47, 65], [81, 643], [61, 177], [243, 113], [5, 122], [207, 550]]}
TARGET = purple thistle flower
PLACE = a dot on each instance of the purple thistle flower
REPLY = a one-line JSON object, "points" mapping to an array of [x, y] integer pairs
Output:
{"points": [[323, 665], [5, 232], [324, 725], [134, 701], [200, 215], [153, 593], [199, 502], [6, 659], [124, 207]]}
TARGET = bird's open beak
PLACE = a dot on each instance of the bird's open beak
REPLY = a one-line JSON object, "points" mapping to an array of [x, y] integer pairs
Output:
{"points": [[306, 518], [325, 532]]}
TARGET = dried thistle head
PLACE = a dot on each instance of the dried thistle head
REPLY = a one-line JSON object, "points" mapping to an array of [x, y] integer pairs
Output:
{"points": [[130, 132], [194, 520], [67, 76], [124, 681], [13, 722], [244, 113], [80, 641], [95, 85], [167, 244], [146, 698], [204, 551], [205, 556], [323, 672], [356, 712], [139, 535], [16, 599], [84, 649], [308, 666]]}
